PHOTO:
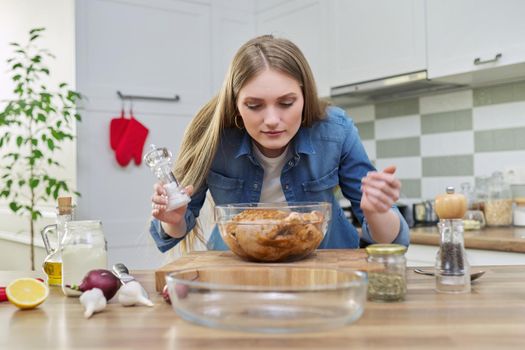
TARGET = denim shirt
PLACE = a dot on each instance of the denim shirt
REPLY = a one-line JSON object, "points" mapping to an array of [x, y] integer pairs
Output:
{"points": [[328, 154]]}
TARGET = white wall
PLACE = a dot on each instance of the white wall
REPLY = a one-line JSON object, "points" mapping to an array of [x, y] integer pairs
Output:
{"points": [[17, 17]]}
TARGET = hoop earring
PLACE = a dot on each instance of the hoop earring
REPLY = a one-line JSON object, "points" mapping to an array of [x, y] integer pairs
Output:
{"points": [[237, 123]]}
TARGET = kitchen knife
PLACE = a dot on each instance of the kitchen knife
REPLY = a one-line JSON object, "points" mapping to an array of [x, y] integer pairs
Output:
{"points": [[122, 272]]}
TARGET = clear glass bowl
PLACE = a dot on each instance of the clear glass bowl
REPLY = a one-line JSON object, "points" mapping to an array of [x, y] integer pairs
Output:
{"points": [[273, 232], [264, 298]]}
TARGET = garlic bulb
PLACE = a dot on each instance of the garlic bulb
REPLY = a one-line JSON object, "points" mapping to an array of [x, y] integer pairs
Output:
{"points": [[93, 301], [133, 293]]}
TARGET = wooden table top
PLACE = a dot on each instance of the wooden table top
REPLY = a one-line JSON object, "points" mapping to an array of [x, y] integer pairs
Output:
{"points": [[492, 316], [505, 239]]}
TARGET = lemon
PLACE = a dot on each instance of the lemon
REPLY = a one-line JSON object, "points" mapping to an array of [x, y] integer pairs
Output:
{"points": [[26, 293]]}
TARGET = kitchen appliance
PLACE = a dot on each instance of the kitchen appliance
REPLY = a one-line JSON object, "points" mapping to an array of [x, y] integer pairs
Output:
{"points": [[394, 87], [406, 212], [424, 213]]}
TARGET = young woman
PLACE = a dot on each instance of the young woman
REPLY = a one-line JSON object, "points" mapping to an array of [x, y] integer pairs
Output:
{"points": [[266, 137]]}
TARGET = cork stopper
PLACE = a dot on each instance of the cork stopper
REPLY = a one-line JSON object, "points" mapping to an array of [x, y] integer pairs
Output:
{"points": [[64, 205]]}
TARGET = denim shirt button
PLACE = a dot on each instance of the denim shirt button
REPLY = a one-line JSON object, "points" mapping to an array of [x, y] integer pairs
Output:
{"points": [[286, 187], [255, 186], [290, 163]]}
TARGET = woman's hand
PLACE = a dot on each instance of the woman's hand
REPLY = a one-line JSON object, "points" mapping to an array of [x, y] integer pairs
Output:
{"points": [[159, 202], [380, 190]]}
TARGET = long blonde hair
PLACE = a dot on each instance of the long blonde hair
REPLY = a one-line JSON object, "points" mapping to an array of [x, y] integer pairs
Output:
{"points": [[202, 136]]}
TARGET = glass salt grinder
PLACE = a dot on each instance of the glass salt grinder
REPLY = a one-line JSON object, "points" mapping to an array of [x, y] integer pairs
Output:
{"points": [[159, 160], [452, 269], [52, 236]]}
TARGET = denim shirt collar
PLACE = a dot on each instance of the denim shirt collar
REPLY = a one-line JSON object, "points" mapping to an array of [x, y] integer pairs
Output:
{"points": [[302, 143]]}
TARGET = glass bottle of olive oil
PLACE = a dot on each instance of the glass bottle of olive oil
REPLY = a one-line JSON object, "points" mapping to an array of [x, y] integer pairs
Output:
{"points": [[52, 235]]}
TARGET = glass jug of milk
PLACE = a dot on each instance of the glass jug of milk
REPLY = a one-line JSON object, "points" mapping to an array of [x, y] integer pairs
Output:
{"points": [[83, 249]]}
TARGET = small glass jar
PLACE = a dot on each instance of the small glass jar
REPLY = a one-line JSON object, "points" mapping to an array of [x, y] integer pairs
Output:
{"points": [[481, 193], [387, 272], [83, 249]]}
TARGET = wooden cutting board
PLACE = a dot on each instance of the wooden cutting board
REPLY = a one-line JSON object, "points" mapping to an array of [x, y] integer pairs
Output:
{"points": [[333, 258]]}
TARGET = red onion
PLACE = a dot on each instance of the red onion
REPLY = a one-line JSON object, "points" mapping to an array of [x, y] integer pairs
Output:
{"points": [[105, 280]]}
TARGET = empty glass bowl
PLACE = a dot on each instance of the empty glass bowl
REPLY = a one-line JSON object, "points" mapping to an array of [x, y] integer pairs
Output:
{"points": [[263, 298], [273, 232]]}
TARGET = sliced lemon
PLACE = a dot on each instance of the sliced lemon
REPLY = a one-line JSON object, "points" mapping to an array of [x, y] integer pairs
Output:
{"points": [[26, 293]]}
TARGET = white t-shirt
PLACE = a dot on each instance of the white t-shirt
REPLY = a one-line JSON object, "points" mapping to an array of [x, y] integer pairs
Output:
{"points": [[272, 191]]}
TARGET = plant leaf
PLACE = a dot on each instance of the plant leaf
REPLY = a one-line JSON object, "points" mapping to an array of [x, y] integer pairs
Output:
{"points": [[50, 144], [14, 206], [33, 182], [36, 30]]}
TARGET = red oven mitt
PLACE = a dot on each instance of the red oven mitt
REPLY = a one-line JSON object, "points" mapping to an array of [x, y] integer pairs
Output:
{"points": [[131, 143], [117, 126], [3, 295]]}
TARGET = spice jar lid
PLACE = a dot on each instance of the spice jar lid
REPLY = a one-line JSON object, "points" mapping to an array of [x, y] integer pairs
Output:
{"points": [[386, 249]]}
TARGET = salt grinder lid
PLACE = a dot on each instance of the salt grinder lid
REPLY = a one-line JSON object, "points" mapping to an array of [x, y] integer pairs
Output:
{"points": [[451, 205]]}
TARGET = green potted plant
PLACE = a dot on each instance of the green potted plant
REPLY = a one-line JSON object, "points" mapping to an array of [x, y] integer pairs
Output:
{"points": [[34, 125]]}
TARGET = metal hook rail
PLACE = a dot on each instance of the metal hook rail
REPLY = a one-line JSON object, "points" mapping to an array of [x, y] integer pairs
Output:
{"points": [[176, 98]]}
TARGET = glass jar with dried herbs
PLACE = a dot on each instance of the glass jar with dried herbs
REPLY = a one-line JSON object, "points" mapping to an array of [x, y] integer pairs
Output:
{"points": [[387, 272]]}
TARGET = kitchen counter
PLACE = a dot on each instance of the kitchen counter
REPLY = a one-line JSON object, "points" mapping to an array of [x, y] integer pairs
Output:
{"points": [[491, 316], [505, 239]]}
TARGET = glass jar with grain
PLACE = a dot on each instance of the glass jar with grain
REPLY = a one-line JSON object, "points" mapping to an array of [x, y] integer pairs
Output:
{"points": [[498, 207], [387, 272]]}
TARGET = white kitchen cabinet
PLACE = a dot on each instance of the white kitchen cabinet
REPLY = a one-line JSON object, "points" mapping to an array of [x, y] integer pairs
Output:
{"points": [[153, 48], [305, 23], [371, 39], [474, 35]]}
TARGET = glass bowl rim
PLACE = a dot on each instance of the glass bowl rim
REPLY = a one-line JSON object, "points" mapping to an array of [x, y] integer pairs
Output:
{"points": [[269, 205], [262, 206], [361, 280]]}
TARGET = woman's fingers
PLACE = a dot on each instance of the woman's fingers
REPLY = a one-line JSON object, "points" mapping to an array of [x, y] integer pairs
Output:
{"points": [[378, 196], [159, 204], [391, 169], [159, 189], [384, 177], [189, 190], [381, 189], [389, 189], [159, 199], [375, 204]]}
